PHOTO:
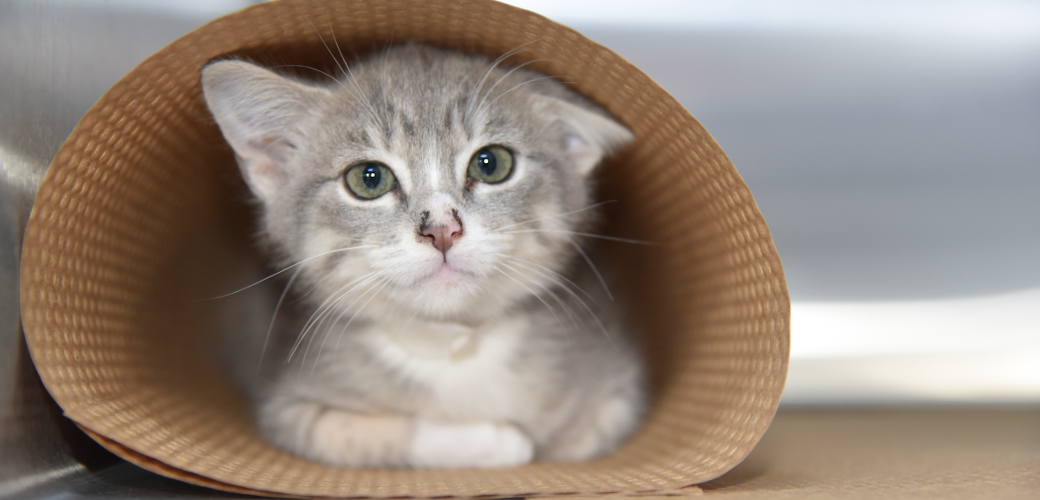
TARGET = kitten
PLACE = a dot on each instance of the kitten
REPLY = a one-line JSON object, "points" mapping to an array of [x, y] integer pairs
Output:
{"points": [[427, 206]]}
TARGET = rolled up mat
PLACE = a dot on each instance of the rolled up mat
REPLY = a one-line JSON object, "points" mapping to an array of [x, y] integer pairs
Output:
{"points": [[143, 212]]}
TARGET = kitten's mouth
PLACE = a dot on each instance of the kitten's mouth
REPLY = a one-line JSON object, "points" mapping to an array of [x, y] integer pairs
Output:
{"points": [[446, 274]]}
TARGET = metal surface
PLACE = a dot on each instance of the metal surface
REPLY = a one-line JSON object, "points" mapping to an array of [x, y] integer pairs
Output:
{"points": [[889, 168], [56, 59], [898, 167]]}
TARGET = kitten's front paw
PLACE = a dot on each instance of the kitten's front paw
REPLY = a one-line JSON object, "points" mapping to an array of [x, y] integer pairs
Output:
{"points": [[483, 445]]}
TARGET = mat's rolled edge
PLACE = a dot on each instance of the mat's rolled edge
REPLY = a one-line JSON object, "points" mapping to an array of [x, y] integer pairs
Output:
{"points": [[165, 470]]}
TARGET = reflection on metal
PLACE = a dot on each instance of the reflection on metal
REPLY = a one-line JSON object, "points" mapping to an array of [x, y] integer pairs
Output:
{"points": [[979, 350], [56, 59], [39, 449]]}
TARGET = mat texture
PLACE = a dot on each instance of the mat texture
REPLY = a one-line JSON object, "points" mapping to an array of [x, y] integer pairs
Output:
{"points": [[142, 213]]}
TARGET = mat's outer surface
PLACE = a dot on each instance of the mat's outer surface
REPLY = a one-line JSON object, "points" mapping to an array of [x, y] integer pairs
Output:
{"points": [[141, 214]]}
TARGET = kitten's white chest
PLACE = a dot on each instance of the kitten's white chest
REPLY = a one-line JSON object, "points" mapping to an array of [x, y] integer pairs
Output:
{"points": [[468, 371]]}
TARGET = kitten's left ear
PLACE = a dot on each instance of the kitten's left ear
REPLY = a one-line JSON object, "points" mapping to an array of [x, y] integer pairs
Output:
{"points": [[588, 136], [262, 115]]}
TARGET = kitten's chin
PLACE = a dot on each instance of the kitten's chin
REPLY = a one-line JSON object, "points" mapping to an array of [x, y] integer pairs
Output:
{"points": [[447, 280], [445, 293]]}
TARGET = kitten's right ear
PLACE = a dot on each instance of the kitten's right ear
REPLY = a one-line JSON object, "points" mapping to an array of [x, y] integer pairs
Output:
{"points": [[261, 114], [588, 135]]}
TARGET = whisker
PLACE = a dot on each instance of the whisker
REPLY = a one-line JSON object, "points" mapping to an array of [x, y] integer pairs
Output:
{"points": [[494, 64], [576, 233], [408, 322], [335, 350], [329, 308], [532, 292], [312, 68], [570, 314], [521, 84], [561, 285], [342, 69], [318, 283], [343, 331], [590, 207], [327, 48], [521, 262], [318, 316], [318, 327], [324, 309], [592, 315], [557, 281], [310, 290], [588, 310], [346, 67], [344, 310], [284, 270], [502, 78], [270, 327], [386, 82], [595, 271]]}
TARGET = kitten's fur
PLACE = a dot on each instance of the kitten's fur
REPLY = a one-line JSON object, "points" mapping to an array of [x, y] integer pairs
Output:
{"points": [[479, 356]]}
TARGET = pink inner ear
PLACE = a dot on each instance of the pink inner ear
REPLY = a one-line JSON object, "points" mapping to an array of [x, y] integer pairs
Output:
{"points": [[581, 152], [275, 148], [266, 175], [264, 163], [574, 143]]}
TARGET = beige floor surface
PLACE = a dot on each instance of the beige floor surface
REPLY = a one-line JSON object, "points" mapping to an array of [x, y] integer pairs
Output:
{"points": [[982, 453], [892, 453]]}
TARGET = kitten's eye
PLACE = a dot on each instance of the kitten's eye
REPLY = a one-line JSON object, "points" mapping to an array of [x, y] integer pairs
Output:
{"points": [[370, 180], [492, 164]]}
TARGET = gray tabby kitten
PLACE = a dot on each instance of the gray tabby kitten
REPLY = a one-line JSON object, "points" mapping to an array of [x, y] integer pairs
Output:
{"points": [[428, 205]]}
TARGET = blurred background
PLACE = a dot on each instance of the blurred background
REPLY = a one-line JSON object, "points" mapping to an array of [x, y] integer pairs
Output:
{"points": [[893, 147]]}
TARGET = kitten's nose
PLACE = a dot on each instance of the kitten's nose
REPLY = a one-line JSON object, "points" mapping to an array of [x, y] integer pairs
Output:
{"points": [[443, 235]]}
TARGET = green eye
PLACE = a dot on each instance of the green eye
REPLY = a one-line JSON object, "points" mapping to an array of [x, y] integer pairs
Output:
{"points": [[370, 180], [492, 164]]}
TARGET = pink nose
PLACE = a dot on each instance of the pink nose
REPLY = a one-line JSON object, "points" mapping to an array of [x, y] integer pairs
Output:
{"points": [[443, 236]]}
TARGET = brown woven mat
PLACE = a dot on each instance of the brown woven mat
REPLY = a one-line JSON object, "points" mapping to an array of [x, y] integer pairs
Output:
{"points": [[142, 213]]}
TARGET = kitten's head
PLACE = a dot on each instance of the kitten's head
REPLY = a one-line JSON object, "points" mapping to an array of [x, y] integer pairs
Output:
{"points": [[424, 182]]}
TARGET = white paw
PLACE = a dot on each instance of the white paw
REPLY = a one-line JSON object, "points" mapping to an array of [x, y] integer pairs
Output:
{"points": [[483, 445]]}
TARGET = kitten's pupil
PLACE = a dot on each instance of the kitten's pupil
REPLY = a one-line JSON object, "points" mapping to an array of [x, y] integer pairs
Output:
{"points": [[369, 180], [491, 164], [371, 176], [486, 161]]}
